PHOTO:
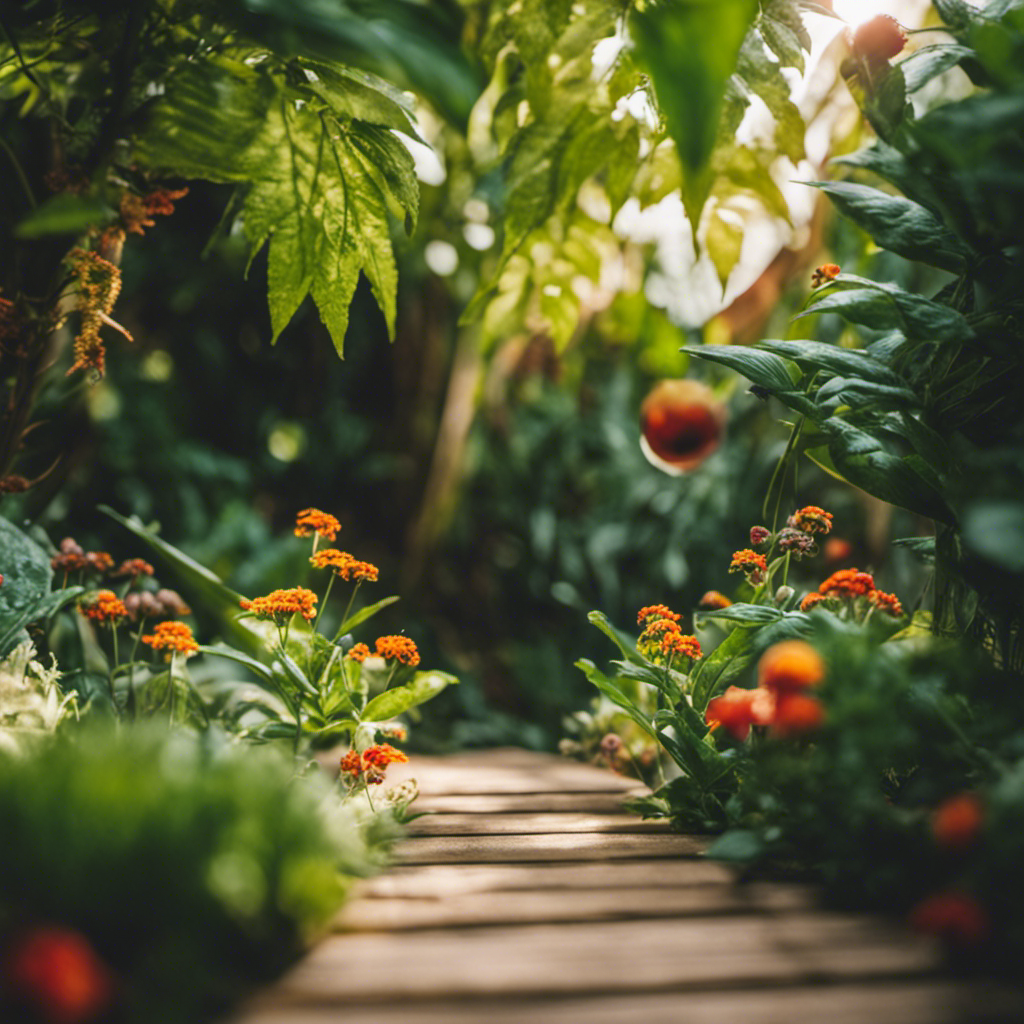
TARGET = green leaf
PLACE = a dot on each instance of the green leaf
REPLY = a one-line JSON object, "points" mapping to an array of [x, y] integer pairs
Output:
{"points": [[63, 214], [860, 458], [738, 845], [764, 368], [422, 687], [609, 688], [690, 49], [26, 587], [724, 242], [994, 531], [746, 614], [923, 548], [861, 393], [321, 184], [766, 79], [956, 14], [359, 617], [783, 30], [898, 224], [931, 61], [625, 646], [887, 307], [722, 665], [817, 355]]}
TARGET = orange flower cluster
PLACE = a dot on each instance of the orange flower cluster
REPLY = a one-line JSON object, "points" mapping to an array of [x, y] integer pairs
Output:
{"points": [[58, 975], [312, 520], [344, 565], [713, 600], [751, 564], [104, 607], [134, 567], [398, 648], [784, 673], [172, 637], [99, 284], [811, 519], [826, 272], [656, 611], [137, 212], [850, 584], [673, 644], [358, 653], [371, 764], [280, 605]]}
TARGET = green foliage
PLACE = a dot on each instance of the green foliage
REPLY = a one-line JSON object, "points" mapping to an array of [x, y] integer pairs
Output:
{"points": [[177, 858], [321, 167]]}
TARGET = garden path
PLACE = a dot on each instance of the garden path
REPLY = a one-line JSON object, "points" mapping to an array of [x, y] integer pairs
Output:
{"points": [[527, 896]]}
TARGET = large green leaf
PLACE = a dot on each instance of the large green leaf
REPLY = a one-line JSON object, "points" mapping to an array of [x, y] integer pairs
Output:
{"points": [[612, 691], [887, 307], [766, 79], [321, 184], [816, 355], [625, 646], [690, 48], [26, 580], [860, 458], [64, 214], [422, 687], [897, 224], [931, 61], [745, 614], [764, 368], [359, 617]]}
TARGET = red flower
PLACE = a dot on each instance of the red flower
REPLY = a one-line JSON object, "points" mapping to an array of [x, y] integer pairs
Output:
{"points": [[59, 975], [796, 714], [737, 709], [681, 423], [879, 39], [826, 272], [837, 549], [888, 603], [849, 583], [956, 917]]}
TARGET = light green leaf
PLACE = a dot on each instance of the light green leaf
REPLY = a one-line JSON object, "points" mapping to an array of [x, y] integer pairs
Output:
{"points": [[765, 77], [745, 614], [359, 617], [724, 241], [63, 214], [931, 61], [422, 687], [609, 688]]}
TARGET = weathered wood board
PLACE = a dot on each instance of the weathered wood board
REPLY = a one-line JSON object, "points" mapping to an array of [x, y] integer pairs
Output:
{"points": [[527, 896]]}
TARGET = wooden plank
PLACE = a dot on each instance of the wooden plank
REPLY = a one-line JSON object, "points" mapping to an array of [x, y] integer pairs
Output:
{"points": [[526, 803], [585, 846], [936, 1002], [503, 771], [541, 960], [534, 824], [437, 880], [539, 906]]}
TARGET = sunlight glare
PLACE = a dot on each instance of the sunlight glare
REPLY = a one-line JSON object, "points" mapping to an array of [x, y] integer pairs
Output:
{"points": [[855, 12]]}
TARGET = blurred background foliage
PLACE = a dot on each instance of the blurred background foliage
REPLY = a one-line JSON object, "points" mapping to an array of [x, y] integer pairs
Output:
{"points": [[492, 467]]}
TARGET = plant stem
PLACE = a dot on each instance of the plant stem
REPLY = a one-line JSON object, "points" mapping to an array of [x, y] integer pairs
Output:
{"points": [[323, 604], [130, 706], [110, 678], [348, 608]]}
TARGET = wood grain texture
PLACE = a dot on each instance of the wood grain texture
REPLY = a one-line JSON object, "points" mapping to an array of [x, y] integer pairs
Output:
{"points": [[559, 823]]}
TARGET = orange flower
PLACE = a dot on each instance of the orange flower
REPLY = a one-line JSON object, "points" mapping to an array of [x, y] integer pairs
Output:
{"points": [[134, 567], [812, 599], [790, 666], [888, 603], [104, 607], [99, 561], [382, 755], [796, 714], [713, 600], [682, 423], [137, 212], [312, 520], [737, 709], [71, 558], [811, 519], [358, 653], [826, 272], [849, 583], [751, 564], [399, 648], [281, 605], [352, 763], [344, 565], [171, 637], [837, 549], [656, 611], [956, 917], [673, 644], [957, 823], [879, 39], [372, 763], [57, 972]]}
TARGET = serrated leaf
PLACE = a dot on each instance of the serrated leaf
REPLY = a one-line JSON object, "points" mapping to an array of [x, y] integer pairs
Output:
{"points": [[782, 41], [897, 224], [422, 687], [320, 184]]}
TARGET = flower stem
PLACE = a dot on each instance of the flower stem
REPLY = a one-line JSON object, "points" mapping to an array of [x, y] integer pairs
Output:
{"points": [[348, 608], [110, 677], [323, 604]]}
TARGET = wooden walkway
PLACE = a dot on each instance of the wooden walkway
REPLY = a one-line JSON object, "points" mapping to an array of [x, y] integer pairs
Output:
{"points": [[526, 896]]}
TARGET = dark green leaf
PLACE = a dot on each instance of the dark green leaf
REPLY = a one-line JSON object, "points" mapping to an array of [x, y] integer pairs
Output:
{"points": [[844, 361], [609, 688], [737, 845], [27, 575], [923, 548], [746, 614], [764, 368], [955, 13], [994, 530], [625, 646], [931, 61], [861, 393], [898, 224]]}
